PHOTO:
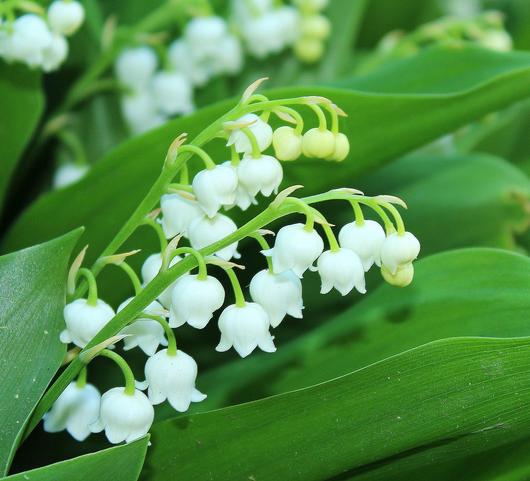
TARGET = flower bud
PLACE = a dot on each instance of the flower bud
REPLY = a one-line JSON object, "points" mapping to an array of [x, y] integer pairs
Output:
{"points": [[365, 240], [172, 378], [295, 249], [318, 143], [135, 66], [172, 93], [74, 410], [311, 6], [263, 174], [498, 40], [194, 301], [278, 294], [124, 417], [68, 174], [342, 270], [308, 50], [341, 148], [178, 213], [84, 321], [287, 143], [245, 328], [261, 130], [205, 231], [65, 17], [398, 250], [214, 188], [315, 27], [401, 278]]}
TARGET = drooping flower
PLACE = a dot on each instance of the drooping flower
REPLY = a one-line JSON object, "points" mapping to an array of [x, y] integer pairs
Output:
{"points": [[194, 300], [74, 410], [136, 66], [318, 143], [84, 321], [29, 38], [365, 240], [172, 378], [204, 34], [263, 174], [178, 213], [341, 148], [287, 143], [147, 334], [401, 278], [258, 127], [342, 270], [124, 417], [172, 93], [205, 231], [279, 294], [139, 111], [55, 53], [65, 17], [295, 249], [245, 328], [398, 250], [151, 268], [215, 188]]}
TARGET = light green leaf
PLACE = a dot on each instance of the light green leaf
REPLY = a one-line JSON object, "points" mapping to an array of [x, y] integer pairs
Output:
{"points": [[33, 284], [476, 398], [119, 463], [21, 104]]}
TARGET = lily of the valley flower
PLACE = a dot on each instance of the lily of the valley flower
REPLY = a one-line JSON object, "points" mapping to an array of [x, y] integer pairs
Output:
{"points": [[263, 174], [245, 328], [401, 278], [178, 213], [205, 231], [398, 250], [342, 270], [295, 249], [259, 128], [279, 294], [84, 321], [65, 17], [318, 143], [287, 143], [147, 334], [136, 66], [172, 378], [194, 301], [341, 149], [74, 410], [124, 417], [365, 240], [172, 93], [55, 53], [151, 268], [214, 188], [30, 36]]}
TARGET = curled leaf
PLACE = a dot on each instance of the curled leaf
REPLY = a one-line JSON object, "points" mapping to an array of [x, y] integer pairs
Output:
{"points": [[348, 190], [154, 214], [391, 199], [224, 264], [285, 116], [252, 88], [74, 269], [172, 152], [117, 259], [266, 232], [284, 194]]}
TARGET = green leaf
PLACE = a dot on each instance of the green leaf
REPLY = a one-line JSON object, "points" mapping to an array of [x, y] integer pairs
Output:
{"points": [[381, 126], [33, 283], [21, 104], [476, 397], [119, 463]]}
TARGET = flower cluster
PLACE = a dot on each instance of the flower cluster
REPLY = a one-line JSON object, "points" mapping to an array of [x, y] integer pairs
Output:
{"points": [[38, 39], [193, 211], [209, 47]]}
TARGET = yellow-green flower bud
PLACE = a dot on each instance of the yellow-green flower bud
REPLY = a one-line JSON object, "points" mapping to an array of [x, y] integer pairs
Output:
{"points": [[308, 50], [403, 276], [315, 27], [318, 143], [287, 143], [342, 148]]}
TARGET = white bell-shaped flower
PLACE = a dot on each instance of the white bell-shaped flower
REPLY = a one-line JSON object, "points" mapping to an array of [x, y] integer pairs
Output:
{"points": [[178, 213], [181, 58], [342, 270], [230, 55], [172, 93], [279, 294], [84, 321], [261, 130], [205, 231], [204, 34], [289, 19], [194, 300], [243, 198], [68, 174], [245, 328], [263, 35], [295, 249], [65, 16], [139, 111], [399, 249], [151, 268], [215, 187], [263, 174], [124, 417], [136, 66], [74, 410], [172, 378], [30, 36], [365, 240], [55, 53], [147, 334]]}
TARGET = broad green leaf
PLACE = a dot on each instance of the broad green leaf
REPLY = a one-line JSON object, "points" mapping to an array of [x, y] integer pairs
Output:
{"points": [[33, 283], [476, 398], [119, 463], [381, 126], [21, 105]]}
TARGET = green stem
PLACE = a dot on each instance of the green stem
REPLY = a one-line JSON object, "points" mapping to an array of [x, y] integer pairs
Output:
{"points": [[236, 287], [159, 232], [208, 162], [234, 156], [294, 113], [304, 209], [81, 379], [334, 118], [185, 176], [180, 187], [128, 375], [137, 285], [74, 144], [397, 217], [171, 339], [92, 299], [359, 216], [265, 246], [256, 153], [322, 122], [332, 240], [203, 271]]}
